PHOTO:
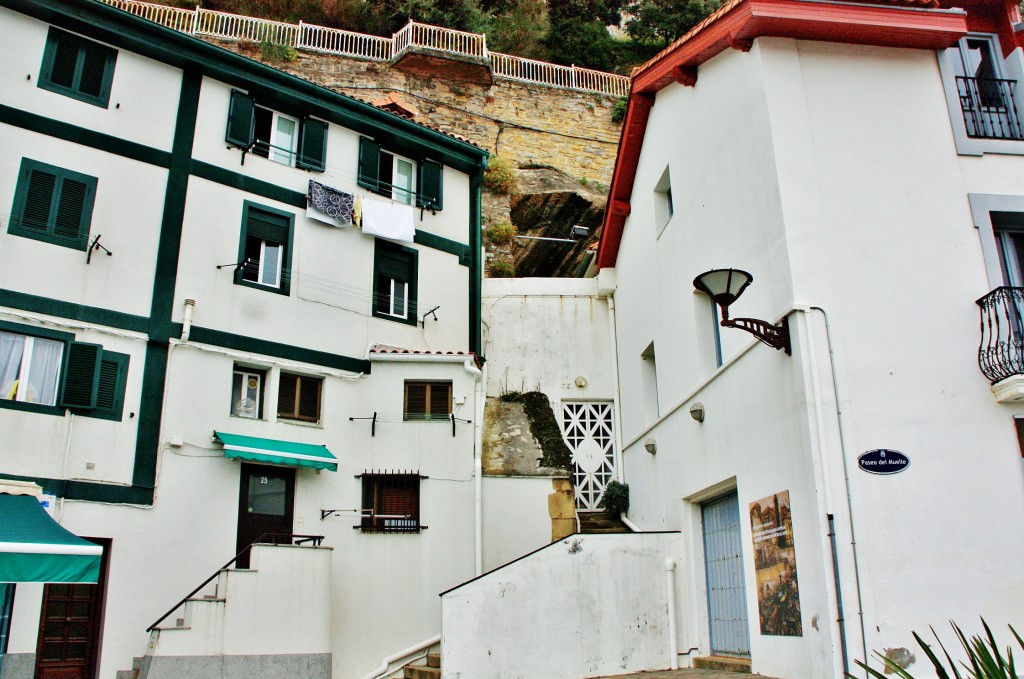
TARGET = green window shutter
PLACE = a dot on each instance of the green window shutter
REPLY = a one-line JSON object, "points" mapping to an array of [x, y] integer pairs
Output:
{"points": [[81, 376], [369, 164], [110, 387], [53, 205], [430, 187], [268, 227], [394, 262], [312, 146], [241, 120], [397, 265], [77, 68]]}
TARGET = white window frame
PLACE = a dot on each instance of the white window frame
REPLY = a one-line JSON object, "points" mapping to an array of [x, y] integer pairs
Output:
{"points": [[285, 155], [1012, 67], [237, 396], [263, 269], [404, 313], [25, 370], [663, 206]]}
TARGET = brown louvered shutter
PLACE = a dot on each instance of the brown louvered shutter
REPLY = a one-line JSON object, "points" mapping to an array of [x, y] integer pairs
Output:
{"points": [[309, 399], [415, 400], [440, 400], [70, 208], [401, 498], [81, 376], [286, 395], [39, 199]]}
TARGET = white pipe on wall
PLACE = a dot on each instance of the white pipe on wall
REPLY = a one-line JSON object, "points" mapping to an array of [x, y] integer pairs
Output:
{"points": [[186, 324], [480, 401], [670, 591]]}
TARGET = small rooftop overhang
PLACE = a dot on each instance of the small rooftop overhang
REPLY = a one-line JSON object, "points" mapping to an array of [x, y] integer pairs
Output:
{"points": [[272, 451], [35, 548]]}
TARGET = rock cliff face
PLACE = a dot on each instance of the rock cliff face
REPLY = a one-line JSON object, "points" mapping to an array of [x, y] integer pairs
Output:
{"points": [[561, 142]]}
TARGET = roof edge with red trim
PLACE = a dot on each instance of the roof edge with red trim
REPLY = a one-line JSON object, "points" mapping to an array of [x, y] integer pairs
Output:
{"points": [[735, 25]]}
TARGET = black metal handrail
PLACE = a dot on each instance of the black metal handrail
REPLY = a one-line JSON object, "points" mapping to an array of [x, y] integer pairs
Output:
{"points": [[989, 108], [1001, 353], [293, 539]]}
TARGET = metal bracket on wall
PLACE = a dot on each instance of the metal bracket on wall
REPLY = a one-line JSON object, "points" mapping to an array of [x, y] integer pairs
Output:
{"points": [[373, 423]]}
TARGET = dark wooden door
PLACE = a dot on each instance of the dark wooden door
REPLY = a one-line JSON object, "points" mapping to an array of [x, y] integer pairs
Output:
{"points": [[265, 505], [70, 627]]}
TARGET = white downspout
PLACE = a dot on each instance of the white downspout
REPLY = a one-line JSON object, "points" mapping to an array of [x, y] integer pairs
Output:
{"points": [[186, 324], [620, 472], [478, 465], [670, 591]]}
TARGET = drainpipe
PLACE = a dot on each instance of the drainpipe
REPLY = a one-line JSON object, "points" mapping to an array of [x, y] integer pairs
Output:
{"points": [[186, 325], [478, 466], [670, 590], [620, 472]]}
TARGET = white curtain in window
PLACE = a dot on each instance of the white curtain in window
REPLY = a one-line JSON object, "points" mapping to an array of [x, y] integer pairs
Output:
{"points": [[11, 349], [44, 369]]}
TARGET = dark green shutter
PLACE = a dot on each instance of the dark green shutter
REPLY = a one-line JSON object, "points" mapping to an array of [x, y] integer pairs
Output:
{"points": [[82, 374], [312, 146], [369, 164], [93, 71], [70, 218], [268, 227], [110, 387], [65, 63], [396, 265], [430, 193], [38, 198], [241, 123]]}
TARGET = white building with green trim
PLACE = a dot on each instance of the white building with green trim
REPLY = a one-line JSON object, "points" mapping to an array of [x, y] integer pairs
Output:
{"points": [[199, 350]]}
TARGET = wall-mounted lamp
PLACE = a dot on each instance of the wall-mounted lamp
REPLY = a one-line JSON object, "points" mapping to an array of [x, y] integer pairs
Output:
{"points": [[724, 286], [651, 446], [697, 411]]}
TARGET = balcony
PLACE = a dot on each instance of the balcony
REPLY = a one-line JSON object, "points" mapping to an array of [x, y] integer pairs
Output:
{"points": [[1001, 354], [989, 109]]}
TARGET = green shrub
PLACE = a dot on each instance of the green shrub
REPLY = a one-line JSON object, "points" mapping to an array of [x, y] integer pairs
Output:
{"points": [[499, 176], [619, 110], [616, 498], [984, 659], [277, 54], [503, 269], [501, 234]]}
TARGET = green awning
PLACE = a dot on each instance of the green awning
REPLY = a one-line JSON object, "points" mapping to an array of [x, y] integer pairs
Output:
{"points": [[35, 548], [271, 451]]}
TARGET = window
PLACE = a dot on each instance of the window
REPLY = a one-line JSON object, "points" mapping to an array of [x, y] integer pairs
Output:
{"points": [[427, 401], [77, 68], [247, 392], [265, 132], [986, 99], [649, 382], [394, 282], [663, 208], [399, 178], [298, 397], [391, 503], [52, 204], [47, 371], [264, 253]]}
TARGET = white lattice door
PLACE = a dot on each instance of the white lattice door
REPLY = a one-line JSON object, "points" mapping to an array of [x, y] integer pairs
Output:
{"points": [[589, 435]]}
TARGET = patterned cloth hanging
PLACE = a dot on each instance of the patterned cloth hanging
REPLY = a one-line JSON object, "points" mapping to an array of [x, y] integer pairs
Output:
{"points": [[331, 204]]}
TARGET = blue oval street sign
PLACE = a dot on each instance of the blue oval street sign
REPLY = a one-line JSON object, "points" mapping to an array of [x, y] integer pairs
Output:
{"points": [[883, 461]]}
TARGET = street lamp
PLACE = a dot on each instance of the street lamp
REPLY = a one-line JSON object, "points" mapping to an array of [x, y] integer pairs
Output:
{"points": [[724, 286]]}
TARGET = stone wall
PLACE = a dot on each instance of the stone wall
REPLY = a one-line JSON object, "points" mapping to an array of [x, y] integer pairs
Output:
{"points": [[526, 124]]}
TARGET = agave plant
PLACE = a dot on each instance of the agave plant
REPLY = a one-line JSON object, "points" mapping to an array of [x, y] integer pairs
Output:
{"points": [[984, 659]]}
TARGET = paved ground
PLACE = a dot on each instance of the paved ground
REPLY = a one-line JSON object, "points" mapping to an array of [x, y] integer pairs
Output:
{"points": [[687, 674]]}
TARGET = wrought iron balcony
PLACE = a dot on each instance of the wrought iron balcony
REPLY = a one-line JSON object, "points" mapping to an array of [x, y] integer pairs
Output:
{"points": [[989, 109], [1001, 353]]}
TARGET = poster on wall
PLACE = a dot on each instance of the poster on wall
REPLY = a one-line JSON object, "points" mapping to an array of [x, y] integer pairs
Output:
{"points": [[778, 595]]}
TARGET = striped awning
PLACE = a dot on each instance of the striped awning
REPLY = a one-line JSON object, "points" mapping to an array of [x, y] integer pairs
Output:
{"points": [[272, 451], [35, 548]]}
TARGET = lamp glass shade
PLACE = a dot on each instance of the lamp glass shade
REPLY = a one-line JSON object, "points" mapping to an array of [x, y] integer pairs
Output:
{"points": [[724, 286]]}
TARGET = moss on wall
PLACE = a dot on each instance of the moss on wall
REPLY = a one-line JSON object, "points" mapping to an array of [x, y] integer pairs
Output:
{"points": [[545, 429]]}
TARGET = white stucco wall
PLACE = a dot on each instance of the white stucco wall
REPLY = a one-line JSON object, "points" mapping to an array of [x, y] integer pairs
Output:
{"points": [[589, 605], [830, 201]]}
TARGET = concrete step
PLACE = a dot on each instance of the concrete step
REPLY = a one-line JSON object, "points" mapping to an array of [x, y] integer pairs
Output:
{"points": [[421, 672], [433, 659], [601, 522], [723, 663]]}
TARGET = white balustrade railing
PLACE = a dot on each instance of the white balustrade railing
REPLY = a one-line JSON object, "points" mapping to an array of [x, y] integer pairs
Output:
{"points": [[347, 43]]}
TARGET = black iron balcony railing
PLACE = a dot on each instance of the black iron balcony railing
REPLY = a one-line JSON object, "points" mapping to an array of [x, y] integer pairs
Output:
{"points": [[990, 111], [1001, 353]]}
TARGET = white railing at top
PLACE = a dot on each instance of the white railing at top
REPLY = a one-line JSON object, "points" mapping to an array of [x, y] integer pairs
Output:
{"points": [[347, 43], [571, 77]]}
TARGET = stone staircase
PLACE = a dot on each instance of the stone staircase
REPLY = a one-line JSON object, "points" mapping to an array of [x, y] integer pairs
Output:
{"points": [[431, 670], [723, 663], [601, 522]]}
